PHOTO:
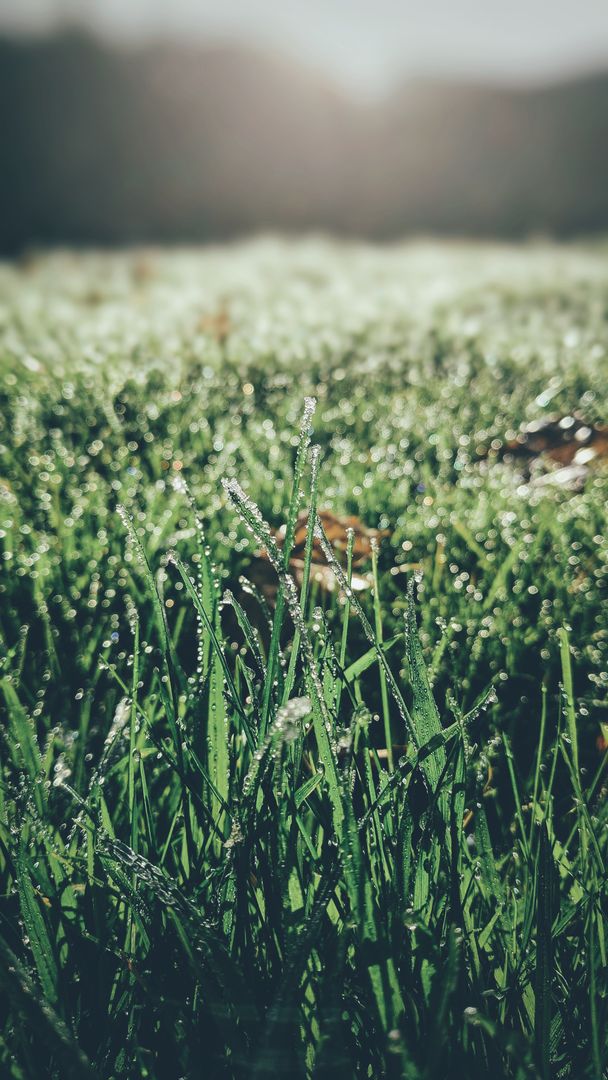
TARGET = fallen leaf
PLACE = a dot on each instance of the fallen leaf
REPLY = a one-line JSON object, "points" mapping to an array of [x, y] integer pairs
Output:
{"points": [[336, 529], [567, 441], [216, 324]]}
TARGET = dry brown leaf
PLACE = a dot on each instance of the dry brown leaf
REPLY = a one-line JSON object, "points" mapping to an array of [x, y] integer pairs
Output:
{"points": [[216, 324], [568, 442], [336, 529], [565, 440]]}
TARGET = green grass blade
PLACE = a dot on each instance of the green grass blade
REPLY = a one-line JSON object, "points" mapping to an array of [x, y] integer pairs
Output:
{"points": [[35, 928], [544, 958]]}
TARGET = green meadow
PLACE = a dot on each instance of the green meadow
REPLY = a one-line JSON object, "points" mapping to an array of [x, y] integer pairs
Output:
{"points": [[348, 819]]}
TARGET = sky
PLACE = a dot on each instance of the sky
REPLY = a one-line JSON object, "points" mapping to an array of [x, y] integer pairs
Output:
{"points": [[367, 45]]}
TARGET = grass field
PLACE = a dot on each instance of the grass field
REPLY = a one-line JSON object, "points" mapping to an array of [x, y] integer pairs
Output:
{"points": [[288, 828]]}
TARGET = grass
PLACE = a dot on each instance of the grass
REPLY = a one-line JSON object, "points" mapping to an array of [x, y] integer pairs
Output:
{"points": [[356, 833]]}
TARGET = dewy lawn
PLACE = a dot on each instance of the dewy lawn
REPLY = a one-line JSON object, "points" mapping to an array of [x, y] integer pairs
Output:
{"points": [[303, 614]]}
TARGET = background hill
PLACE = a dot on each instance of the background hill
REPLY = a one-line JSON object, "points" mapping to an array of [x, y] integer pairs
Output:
{"points": [[168, 142]]}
